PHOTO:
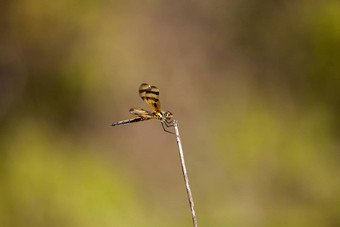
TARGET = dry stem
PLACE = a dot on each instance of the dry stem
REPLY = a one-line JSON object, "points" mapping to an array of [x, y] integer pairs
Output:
{"points": [[184, 170]]}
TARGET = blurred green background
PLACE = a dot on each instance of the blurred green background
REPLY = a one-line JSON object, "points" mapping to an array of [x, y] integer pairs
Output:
{"points": [[254, 85]]}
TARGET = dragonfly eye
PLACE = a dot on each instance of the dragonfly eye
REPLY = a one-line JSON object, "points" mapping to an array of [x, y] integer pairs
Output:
{"points": [[168, 115]]}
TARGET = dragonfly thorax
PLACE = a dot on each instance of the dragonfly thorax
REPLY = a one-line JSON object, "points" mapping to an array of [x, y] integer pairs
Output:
{"points": [[159, 115]]}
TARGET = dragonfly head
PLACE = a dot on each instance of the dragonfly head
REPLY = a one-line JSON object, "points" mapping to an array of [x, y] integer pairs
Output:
{"points": [[168, 115]]}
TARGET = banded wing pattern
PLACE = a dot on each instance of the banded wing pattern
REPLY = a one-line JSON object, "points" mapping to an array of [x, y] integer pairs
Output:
{"points": [[139, 112], [150, 94]]}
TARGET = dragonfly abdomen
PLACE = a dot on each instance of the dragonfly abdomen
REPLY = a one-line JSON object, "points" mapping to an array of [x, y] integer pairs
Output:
{"points": [[128, 121]]}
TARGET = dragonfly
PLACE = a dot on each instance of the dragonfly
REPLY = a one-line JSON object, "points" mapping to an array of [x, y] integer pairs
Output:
{"points": [[150, 95]]}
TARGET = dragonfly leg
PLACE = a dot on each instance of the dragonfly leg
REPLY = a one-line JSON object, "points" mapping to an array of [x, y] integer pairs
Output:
{"points": [[169, 123], [165, 129]]}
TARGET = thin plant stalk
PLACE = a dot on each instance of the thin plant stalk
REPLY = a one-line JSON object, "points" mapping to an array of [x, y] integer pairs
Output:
{"points": [[185, 174]]}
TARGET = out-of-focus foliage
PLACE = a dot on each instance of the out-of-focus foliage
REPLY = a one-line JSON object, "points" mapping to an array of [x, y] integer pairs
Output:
{"points": [[254, 84]]}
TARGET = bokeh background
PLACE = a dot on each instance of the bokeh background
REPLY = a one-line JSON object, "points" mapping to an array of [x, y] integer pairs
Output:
{"points": [[254, 85]]}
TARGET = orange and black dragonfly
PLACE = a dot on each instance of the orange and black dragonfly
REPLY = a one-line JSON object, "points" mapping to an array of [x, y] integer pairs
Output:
{"points": [[150, 94]]}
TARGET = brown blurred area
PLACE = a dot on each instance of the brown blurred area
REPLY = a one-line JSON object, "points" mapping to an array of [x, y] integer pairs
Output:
{"points": [[254, 85]]}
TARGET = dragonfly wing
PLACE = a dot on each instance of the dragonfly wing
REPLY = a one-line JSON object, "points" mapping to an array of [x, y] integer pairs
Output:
{"points": [[150, 94], [139, 112]]}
